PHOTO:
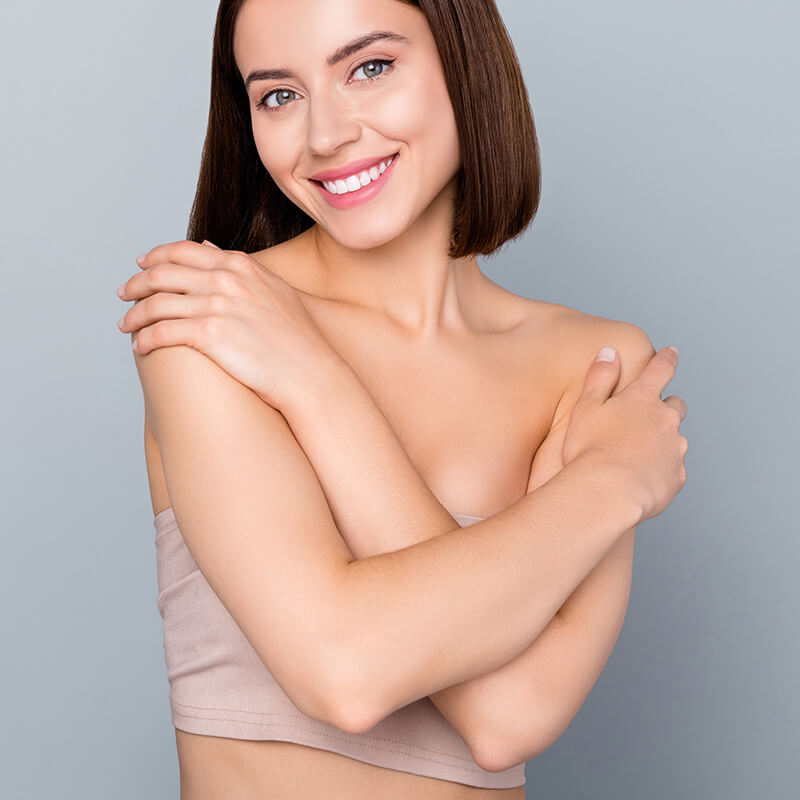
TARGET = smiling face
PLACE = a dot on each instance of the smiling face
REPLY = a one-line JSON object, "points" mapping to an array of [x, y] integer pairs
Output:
{"points": [[327, 109]]}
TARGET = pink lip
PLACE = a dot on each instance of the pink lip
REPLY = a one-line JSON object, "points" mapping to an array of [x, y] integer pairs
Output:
{"points": [[349, 169], [362, 195]]}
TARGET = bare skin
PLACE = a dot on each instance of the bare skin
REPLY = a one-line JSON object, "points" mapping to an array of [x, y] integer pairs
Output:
{"points": [[524, 357], [378, 283]]}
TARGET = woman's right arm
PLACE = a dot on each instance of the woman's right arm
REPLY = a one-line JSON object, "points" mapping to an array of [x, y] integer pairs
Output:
{"points": [[256, 521]]}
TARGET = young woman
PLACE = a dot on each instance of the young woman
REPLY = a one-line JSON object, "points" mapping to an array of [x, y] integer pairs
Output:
{"points": [[395, 503]]}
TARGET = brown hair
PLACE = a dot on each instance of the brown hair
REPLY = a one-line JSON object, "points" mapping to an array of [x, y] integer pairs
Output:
{"points": [[237, 205]]}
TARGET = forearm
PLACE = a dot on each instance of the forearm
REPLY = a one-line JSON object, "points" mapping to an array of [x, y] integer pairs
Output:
{"points": [[433, 625], [528, 703], [378, 500]]}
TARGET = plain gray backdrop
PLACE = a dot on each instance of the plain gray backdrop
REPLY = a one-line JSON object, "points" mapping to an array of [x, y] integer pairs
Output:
{"points": [[669, 139]]}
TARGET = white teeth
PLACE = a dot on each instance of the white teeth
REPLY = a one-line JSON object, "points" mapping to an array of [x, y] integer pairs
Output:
{"points": [[355, 182]]}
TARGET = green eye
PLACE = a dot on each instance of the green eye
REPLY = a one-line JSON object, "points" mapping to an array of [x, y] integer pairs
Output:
{"points": [[376, 63], [282, 96]]}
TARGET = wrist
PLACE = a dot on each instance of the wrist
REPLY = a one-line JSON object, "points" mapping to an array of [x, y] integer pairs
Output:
{"points": [[616, 483], [324, 379]]}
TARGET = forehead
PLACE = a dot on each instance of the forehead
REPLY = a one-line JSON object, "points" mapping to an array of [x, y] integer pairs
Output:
{"points": [[287, 33]]}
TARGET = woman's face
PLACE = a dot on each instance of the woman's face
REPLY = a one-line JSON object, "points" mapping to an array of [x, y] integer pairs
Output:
{"points": [[329, 107]]}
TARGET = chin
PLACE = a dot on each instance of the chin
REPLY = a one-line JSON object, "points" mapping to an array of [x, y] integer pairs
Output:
{"points": [[362, 241], [371, 233]]}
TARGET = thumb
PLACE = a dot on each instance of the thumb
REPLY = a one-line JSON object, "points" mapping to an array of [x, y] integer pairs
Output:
{"points": [[205, 241], [602, 375]]}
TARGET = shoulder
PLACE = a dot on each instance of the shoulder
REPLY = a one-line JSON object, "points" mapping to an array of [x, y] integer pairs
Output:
{"points": [[573, 338]]}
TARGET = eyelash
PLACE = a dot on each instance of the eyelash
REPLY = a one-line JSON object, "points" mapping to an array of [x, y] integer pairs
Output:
{"points": [[262, 103]]}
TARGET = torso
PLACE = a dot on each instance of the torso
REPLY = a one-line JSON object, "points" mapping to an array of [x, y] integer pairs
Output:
{"points": [[480, 407]]}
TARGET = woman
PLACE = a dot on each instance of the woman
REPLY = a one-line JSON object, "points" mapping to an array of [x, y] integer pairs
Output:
{"points": [[334, 395]]}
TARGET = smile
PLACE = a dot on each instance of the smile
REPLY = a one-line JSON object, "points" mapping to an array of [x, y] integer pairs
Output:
{"points": [[353, 183], [360, 186]]}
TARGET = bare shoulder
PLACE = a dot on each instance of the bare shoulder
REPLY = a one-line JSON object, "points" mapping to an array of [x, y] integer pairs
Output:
{"points": [[573, 338]]}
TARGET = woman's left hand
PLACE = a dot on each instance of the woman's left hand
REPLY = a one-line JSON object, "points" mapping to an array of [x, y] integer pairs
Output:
{"points": [[230, 307]]}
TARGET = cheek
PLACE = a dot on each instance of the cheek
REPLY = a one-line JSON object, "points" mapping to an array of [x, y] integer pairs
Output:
{"points": [[422, 103], [275, 146], [422, 115]]}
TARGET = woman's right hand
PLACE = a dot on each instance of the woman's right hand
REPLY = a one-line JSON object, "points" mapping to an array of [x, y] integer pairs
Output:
{"points": [[635, 430]]}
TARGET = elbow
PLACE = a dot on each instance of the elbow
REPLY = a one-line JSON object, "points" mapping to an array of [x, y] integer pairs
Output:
{"points": [[343, 694], [351, 714], [343, 699], [508, 745]]}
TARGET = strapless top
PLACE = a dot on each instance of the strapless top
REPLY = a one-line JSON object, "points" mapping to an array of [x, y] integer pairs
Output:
{"points": [[220, 687]]}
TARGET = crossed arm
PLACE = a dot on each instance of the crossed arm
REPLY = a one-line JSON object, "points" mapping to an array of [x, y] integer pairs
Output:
{"points": [[549, 679], [513, 713]]}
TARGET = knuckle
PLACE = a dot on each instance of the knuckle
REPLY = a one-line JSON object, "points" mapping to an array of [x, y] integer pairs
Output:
{"points": [[156, 276], [182, 249], [225, 281], [241, 260], [211, 326], [636, 390], [218, 304], [157, 304], [157, 334]]}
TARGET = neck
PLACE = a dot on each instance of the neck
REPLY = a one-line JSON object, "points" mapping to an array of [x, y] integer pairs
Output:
{"points": [[410, 280]]}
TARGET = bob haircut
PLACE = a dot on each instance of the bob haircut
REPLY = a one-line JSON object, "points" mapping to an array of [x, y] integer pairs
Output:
{"points": [[238, 206]]}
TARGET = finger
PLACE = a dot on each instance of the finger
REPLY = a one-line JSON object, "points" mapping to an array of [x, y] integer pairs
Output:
{"points": [[168, 306], [677, 403], [193, 254], [176, 278], [169, 332], [659, 371], [602, 376]]}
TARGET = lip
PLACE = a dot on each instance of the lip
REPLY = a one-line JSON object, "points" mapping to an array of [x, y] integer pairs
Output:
{"points": [[362, 195], [349, 169]]}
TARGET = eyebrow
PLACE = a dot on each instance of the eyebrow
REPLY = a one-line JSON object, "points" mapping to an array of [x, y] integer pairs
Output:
{"points": [[333, 59]]}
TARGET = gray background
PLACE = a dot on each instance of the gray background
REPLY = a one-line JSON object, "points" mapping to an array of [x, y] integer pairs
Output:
{"points": [[669, 135]]}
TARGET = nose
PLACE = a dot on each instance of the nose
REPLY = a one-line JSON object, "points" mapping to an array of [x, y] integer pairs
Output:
{"points": [[331, 123]]}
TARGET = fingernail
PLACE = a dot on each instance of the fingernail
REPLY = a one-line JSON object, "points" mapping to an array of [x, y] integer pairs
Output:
{"points": [[141, 258], [122, 319], [121, 290], [205, 241], [606, 354], [675, 349]]}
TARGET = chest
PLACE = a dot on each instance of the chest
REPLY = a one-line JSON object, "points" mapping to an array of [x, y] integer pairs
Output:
{"points": [[470, 410]]}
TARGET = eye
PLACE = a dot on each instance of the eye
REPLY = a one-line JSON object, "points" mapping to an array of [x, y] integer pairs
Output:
{"points": [[282, 96], [370, 74], [374, 69]]}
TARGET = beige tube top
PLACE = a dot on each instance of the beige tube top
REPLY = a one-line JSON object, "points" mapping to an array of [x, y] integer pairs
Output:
{"points": [[220, 687]]}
